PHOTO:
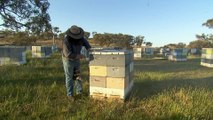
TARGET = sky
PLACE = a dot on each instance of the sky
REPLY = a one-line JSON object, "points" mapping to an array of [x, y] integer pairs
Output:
{"points": [[160, 21]]}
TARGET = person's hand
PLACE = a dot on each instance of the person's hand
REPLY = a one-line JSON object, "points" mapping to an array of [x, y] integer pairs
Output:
{"points": [[91, 57], [89, 50], [80, 56]]}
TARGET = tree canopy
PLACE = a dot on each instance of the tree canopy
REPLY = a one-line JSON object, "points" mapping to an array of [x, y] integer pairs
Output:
{"points": [[29, 14], [139, 40], [116, 40], [148, 43], [173, 46], [199, 44], [18, 38], [209, 23]]}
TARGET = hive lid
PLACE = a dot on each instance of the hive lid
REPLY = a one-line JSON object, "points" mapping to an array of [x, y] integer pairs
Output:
{"points": [[111, 52]]}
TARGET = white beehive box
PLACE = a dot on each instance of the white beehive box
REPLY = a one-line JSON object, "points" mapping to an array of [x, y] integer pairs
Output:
{"points": [[207, 57], [110, 73]]}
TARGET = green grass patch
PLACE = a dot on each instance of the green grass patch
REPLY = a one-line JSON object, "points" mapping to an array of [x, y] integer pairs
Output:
{"points": [[162, 90]]}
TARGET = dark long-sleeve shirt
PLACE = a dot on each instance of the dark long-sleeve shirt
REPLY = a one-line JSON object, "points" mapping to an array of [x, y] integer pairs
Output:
{"points": [[71, 47]]}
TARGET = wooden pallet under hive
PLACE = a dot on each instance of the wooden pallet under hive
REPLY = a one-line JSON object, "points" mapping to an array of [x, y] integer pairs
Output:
{"points": [[110, 93]]}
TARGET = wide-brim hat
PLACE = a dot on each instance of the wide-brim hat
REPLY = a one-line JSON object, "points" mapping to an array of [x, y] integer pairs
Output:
{"points": [[75, 32]]}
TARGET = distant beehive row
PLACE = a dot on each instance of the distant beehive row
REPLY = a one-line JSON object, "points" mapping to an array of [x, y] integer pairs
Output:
{"points": [[17, 54], [41, 51], [207, 57], [12, 55], [178, 55], [111, 73], [138, 52]]}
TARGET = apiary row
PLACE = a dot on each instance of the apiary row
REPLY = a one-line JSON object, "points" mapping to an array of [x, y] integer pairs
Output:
{"points": [[17, 54], [12, 55]]}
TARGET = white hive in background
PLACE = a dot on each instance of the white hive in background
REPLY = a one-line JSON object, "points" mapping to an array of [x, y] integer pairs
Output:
{"points": [[140, 52], [148, 50], [137, 52], [207, 57], [41, 51]]}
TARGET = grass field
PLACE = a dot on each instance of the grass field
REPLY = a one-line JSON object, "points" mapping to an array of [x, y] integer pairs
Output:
{"points": [[162, 90]]}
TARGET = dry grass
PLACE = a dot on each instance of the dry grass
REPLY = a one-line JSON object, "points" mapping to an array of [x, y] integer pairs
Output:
{"points": [[162, 90]]}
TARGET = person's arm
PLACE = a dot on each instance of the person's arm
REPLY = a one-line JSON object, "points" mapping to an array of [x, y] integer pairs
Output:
{"points": [[88, 47], [86, 44]]}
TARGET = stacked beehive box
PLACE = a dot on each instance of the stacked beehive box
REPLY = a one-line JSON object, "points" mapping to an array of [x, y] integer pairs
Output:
{"points": [[41, 51], [12, 55], [178, 55], [194, 51], [111, 73], [207, 57], [148, 51], [54, 48], [137, 52]]}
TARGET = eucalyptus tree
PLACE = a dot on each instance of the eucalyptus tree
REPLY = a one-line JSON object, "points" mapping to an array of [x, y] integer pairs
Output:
{"points": [[139, 40], [113, 40], [199, 44], [31, 15], [148, 44], [86, 34], [209, 23]]}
